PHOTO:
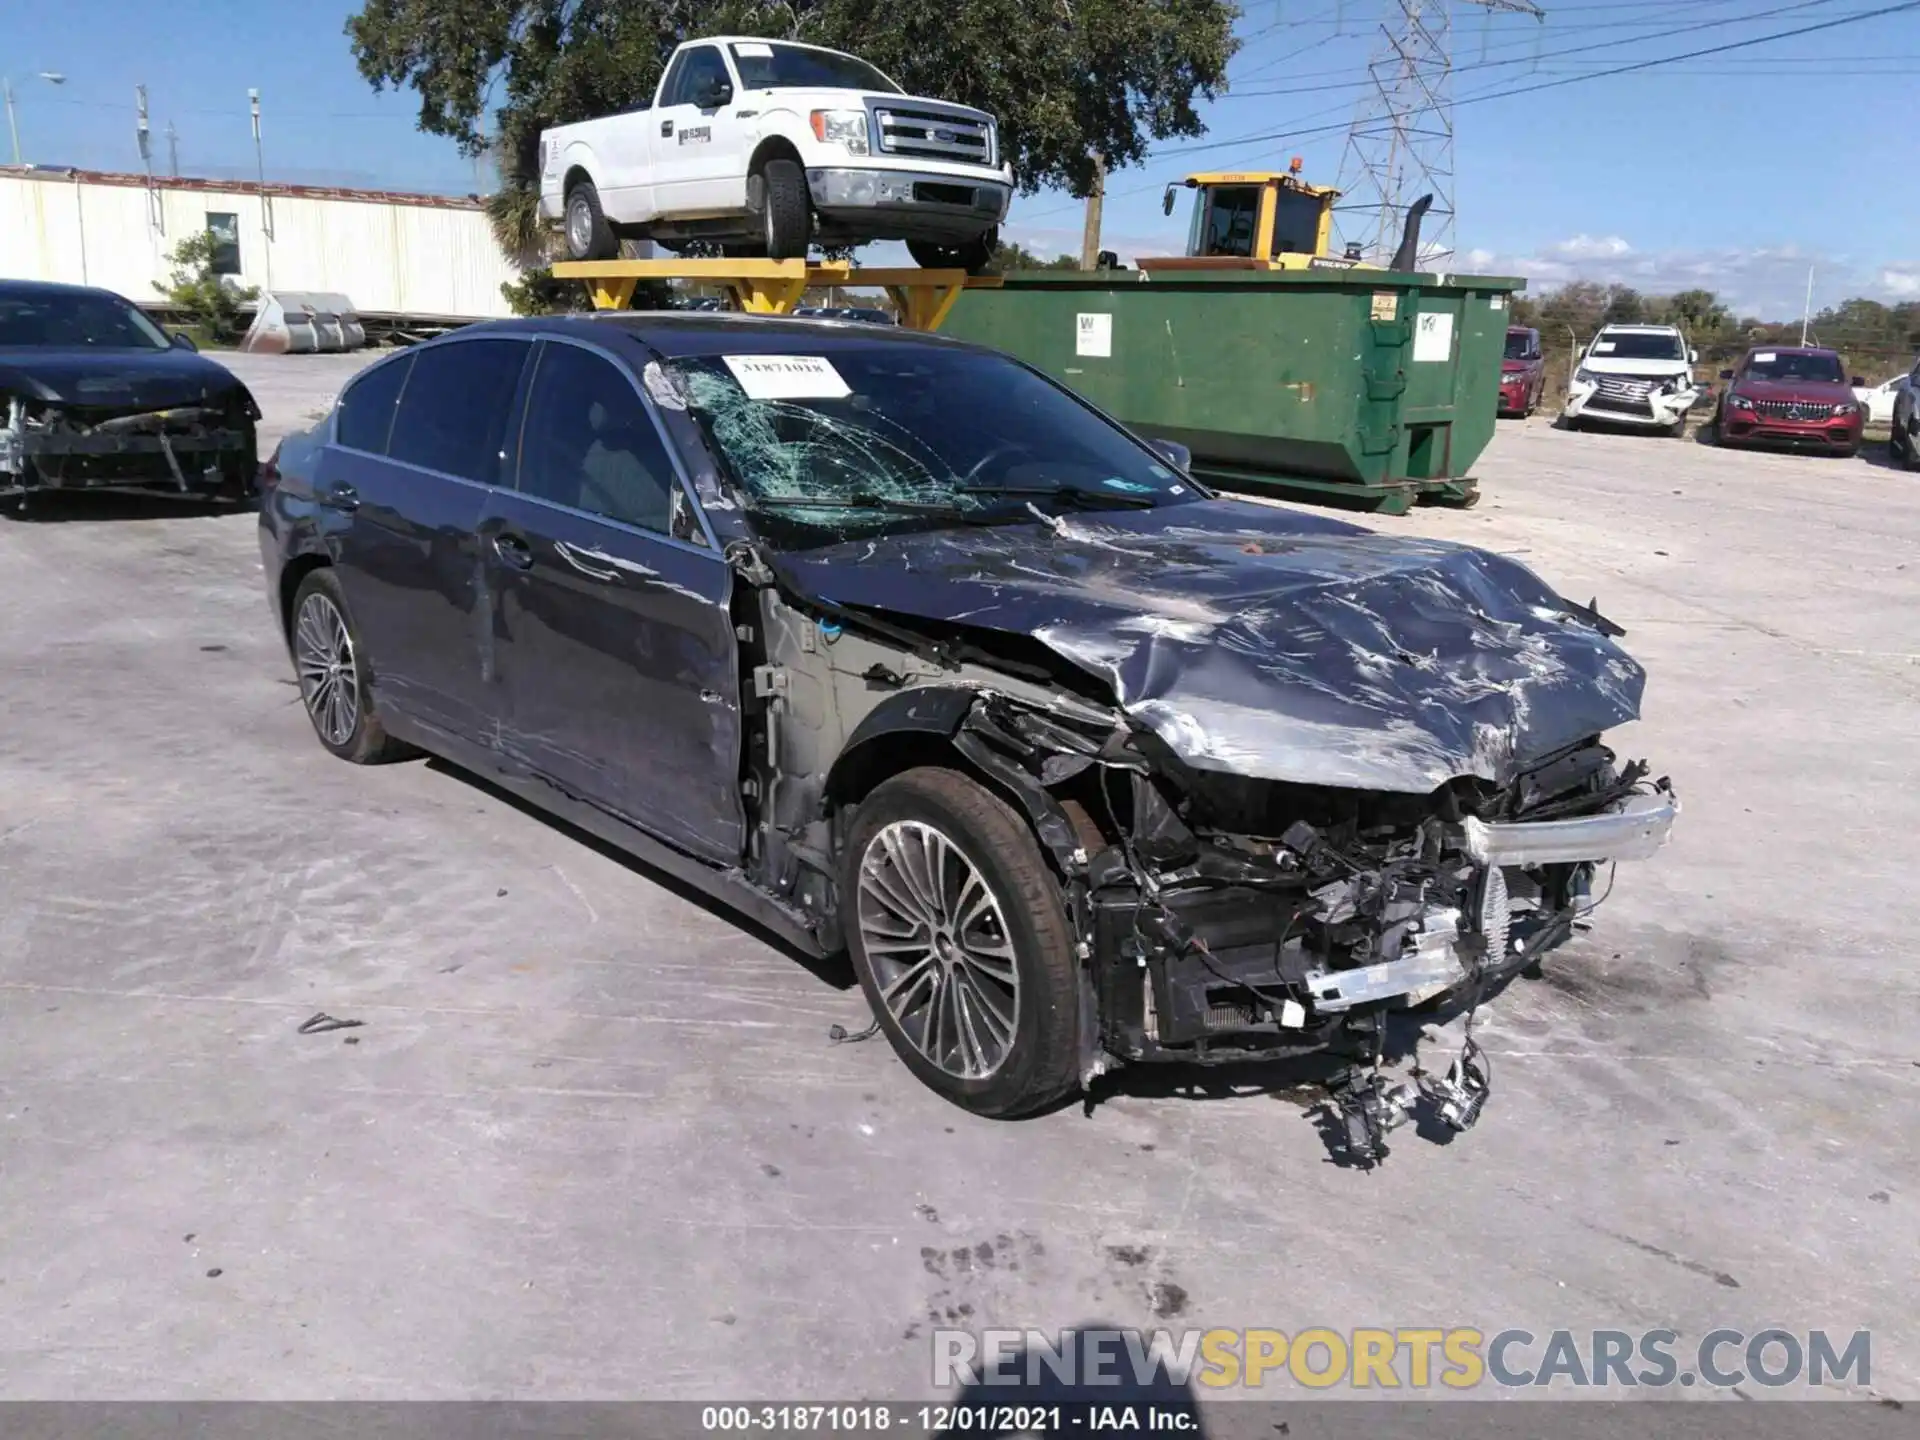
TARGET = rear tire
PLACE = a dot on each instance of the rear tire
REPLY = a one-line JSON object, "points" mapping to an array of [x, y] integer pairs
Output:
{"points": [[787, 214], [950, 910], [589, 236], [332, 671], [972, 256]]}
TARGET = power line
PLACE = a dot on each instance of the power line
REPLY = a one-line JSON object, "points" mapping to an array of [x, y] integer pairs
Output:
{"points": [[1834, 24], [1182, 150], [1555, 54]]}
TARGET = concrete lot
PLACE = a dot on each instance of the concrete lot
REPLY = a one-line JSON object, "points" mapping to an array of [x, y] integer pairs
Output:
{"points": [[593, 1141]]}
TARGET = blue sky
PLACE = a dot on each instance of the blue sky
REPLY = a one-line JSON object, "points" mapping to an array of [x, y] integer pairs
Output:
{"points": [[1734, 171]]}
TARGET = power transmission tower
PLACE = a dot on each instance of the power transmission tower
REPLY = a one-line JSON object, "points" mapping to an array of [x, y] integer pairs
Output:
{"points": [[1400, 145]]}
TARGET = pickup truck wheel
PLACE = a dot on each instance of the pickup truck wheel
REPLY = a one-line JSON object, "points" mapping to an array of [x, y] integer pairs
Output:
{"points": [[974, 256], [788, 212], [589, 236], [961, 942]]}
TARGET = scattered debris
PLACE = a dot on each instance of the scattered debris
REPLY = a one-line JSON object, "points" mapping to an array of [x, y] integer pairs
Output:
{"points": [[322, 1023], [839, 1034]]}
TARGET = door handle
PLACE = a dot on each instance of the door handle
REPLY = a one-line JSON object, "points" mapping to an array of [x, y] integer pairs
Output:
{"points": [[339, 497], [666, 127], [513, 550]]}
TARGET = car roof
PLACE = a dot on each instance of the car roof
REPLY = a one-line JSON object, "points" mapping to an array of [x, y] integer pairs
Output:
{"points": [[52, 287], [1794, 350], [1644, 329], [696, 332], [762, 40]]}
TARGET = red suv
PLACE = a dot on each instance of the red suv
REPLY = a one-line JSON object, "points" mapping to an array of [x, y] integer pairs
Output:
{"points": [[1523, 373], [1790, 395]]}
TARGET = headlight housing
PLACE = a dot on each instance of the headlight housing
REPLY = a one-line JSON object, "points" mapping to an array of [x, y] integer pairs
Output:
{"points": [[847, 128], [1585, 377], [1739, 402], [1849, 408]]}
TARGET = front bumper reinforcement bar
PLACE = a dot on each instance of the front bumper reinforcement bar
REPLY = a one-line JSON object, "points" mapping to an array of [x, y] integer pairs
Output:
{"points": [[1632, 830]]}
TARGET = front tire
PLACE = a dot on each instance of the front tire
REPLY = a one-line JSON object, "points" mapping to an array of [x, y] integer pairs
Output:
{"points": [[973, 256], [589, 236], [787, 214], [960, 938], [332, 671]]}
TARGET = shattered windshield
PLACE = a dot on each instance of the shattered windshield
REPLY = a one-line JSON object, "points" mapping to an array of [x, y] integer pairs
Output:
{"points": [[904, 435], [76, 320], [799, 67], [1784, 365]]}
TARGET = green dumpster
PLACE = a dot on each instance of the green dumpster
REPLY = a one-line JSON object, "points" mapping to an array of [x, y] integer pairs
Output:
{"points": [[1368, 386]]}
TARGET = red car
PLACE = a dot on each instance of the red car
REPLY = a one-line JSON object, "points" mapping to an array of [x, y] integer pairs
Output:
{"points": [[1795, 395], [1523, 373]]}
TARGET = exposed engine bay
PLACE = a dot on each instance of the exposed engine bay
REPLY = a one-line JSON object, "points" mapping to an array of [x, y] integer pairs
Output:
{"points": [[1219, 917], [203, 449]]}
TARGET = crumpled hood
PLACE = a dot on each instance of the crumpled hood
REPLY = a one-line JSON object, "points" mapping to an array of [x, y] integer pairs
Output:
{"points": [[1269, 643], [122, 379]]}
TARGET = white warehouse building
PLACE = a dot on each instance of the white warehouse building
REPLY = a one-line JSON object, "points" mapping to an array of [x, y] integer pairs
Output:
{"points": [[430, 255]]}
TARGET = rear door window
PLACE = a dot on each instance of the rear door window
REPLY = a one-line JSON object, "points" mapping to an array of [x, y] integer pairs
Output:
{"points": [[366, 408], [589, 443], [456, 406]]}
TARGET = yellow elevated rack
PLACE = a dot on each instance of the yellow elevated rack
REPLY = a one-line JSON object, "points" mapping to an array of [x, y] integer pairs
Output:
{"points": [[922, 298]]}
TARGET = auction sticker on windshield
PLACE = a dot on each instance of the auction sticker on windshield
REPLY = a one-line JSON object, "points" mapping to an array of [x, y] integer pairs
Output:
{"points": [[787, 377]]}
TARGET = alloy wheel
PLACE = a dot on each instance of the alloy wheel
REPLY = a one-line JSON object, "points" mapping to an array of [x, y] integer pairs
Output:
{"points": [[939, 948], [329, 683], [579, 225]]}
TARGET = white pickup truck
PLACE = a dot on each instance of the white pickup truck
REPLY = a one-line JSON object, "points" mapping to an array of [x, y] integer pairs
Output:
{"points": [[765, 147]]}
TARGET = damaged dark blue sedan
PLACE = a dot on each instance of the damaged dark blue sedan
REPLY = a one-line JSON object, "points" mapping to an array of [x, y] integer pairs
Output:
{"points": [[899, 647]]}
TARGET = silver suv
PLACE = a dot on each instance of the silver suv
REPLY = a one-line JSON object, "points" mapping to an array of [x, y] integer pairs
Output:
{"points": [[1905, 440]]}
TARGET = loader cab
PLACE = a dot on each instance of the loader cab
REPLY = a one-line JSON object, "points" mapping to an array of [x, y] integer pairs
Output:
{"points": [[1261, 219]]}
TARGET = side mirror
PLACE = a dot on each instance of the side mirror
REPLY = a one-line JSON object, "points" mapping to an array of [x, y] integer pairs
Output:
{"points": [[1693, 357], [1166, 202], [184, 341], [1859, 383], [1108, 260], [1174, 453], [1726, 374], [713, 94]]}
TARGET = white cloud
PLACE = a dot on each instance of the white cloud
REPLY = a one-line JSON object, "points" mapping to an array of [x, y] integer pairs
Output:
{"points": [[1587, 247], [1901, 281], [1768, 281]]}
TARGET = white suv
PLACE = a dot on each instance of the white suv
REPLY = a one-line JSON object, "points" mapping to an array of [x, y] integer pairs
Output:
{"points": [[1640, 375], [765, 147]]}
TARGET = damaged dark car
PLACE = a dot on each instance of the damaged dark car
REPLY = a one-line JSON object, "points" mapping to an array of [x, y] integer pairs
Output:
{"points": [[900, 647], [95, 396]]}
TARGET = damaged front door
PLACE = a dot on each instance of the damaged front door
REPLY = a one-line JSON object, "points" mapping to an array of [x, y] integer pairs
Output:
{"points": [[612, 637]]}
